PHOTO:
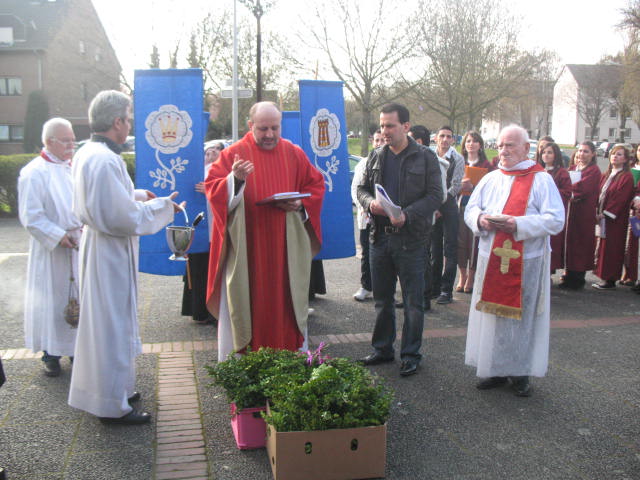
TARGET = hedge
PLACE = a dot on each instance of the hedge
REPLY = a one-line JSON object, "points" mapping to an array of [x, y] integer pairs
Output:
{"points": [[10, 166]]}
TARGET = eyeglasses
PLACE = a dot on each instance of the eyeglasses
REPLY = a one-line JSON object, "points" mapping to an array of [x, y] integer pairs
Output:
{"points": [[64, 141]]}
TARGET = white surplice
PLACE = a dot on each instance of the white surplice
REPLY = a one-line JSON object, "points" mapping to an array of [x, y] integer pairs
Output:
{"points": [[108, 341], [500, 346], [44, 200]]}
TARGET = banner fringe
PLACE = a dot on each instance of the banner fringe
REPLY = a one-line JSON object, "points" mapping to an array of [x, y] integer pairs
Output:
{"points": [[500, 310]]}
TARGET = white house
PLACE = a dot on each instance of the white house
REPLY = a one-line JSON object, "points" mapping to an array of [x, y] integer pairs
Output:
{"points": [[585, 108]]}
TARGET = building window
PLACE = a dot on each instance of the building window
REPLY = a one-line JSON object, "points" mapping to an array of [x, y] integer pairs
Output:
{"points": [[6, 36], [627, 132], [613, 112], [10, 86], [612, 132], [587, 133], [11, 133], [98, 56], [83, 48]]}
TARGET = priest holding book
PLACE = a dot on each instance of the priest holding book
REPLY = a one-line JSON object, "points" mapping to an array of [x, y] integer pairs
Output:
{"points": [[513, 210], [262, 244]]}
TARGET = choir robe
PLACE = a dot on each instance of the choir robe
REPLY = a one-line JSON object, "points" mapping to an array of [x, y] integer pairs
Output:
{"points": [[499, 346], [579, 240], [44, 201], [562, 180], [260, 255], [631, 252], [114, 215], [615, 207]]}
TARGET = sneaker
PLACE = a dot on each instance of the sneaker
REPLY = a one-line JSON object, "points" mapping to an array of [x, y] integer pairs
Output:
{"points": [[444, 298], [362, 294], [608, 285]]}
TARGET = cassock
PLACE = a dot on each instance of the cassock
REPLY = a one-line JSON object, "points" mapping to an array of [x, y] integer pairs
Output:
{"points": [[496, 345], [44, 200], [614, 204], [105, 201], [579, 241], [562, 180], [261, 255]]}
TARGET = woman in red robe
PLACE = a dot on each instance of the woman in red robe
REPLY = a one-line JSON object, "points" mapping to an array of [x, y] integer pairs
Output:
{"points": [[616, 193], [630, 275], [550, 157], [579, 239]]}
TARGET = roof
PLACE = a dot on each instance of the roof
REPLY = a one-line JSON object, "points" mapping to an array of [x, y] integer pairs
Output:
{"points": [[34, 22], [600, 74]]}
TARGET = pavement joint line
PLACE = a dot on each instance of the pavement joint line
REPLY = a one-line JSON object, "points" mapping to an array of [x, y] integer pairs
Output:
{"points": [[183, 446], [178, 370]]}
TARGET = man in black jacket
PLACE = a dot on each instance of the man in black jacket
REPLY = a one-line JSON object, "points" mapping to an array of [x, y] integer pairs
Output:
{"points": [[411, 177]]}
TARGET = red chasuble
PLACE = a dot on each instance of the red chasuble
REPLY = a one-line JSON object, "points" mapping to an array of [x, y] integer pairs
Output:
{"points": [[283, 169], [502, 286], [610, 250]]}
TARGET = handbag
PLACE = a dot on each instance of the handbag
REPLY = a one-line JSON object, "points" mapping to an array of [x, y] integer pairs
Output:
{"points": [[72, 310]]}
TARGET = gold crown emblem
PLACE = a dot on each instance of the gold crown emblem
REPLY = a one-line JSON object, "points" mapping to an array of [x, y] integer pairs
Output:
{"points": [[168, 128]]}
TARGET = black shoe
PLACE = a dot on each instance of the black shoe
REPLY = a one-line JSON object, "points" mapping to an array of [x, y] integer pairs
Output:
{"points": [[398, 304], [491, 382], [408, 367], [52, 367], [134, 398], [521, 386], [134, 417], [444, 298], [375, 359], [608, 285]]}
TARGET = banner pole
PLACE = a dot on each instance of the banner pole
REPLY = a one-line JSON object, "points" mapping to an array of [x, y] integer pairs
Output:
{"points": [[234, 87]]}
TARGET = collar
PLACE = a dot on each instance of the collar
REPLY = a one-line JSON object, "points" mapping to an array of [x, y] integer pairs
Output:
{"points": [[51, 158], [113, 146], [523, 165]]}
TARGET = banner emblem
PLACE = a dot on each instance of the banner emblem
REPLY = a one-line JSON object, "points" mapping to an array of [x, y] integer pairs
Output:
{"points": [[324, 132], [168, 130]]}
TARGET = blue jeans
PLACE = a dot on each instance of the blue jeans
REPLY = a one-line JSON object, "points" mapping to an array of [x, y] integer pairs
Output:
{"points": [[393, 255], [444, 243]]}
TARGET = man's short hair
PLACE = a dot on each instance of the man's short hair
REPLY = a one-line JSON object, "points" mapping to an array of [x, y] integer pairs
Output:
{"points": [[524, 135], [403, 112], [255, 106], [421, 132], [105, 108], [51, 125], [445, 127]]}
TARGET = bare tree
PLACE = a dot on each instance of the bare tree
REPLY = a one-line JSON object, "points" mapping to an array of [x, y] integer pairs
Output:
{"points": [[154, 59], [365, 49], [598, 87], [472, 57], [631, 60]]}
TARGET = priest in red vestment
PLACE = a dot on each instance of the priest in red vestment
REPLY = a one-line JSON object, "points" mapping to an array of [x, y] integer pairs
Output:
{"points": [[616, 193], [579, 240], [260, 259]]}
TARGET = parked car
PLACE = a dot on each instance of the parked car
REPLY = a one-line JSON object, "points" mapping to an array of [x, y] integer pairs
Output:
{"points": [[533, 147], [353, 161]]}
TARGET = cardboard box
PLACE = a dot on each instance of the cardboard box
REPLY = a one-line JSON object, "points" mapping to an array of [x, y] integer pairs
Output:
{"points": [[340, 454], [249, 428]]}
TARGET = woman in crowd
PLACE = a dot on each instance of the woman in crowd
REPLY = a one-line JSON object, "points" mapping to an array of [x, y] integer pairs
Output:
{"points": [[616, 193], [630, 275], [474, 156], [579, 239], [550, 157]]}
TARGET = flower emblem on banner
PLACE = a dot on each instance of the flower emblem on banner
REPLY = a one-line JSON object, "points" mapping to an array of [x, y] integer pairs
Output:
{"points": [[168, 130], [324, 131]]}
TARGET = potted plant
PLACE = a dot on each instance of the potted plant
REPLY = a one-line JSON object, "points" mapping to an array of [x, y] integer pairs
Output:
{"points": [[243, 378]]}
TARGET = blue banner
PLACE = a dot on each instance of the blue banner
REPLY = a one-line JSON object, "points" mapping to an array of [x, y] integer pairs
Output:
{"points": [[291, 129], [324, 140], [170, 129]]}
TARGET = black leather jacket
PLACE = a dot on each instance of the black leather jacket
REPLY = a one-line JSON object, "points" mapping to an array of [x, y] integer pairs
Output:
{"points": [[420, 188]]}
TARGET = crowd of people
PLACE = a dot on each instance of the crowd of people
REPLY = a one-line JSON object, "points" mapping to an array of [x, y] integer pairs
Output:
{"points": [[422, 212]]}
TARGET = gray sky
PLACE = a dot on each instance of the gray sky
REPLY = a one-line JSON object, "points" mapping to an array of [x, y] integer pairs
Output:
{"points": [[580, 31]]}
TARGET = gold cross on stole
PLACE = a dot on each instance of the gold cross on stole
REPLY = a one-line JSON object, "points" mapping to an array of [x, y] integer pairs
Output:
{"points": [[506, 253]]}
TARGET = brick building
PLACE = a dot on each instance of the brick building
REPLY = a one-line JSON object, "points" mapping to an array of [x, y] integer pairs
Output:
{"points": [[58, 47]]}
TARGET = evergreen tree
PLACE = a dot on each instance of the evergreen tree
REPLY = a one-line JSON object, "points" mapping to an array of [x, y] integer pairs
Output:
{"points": [[37, 114]]}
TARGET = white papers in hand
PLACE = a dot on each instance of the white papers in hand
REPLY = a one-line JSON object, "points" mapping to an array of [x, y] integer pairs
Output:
{"points": [[575, 175], [392, 210]]}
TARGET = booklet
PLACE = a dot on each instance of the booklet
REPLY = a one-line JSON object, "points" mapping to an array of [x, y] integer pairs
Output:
{"points": [[575, 176], [277, 197], [391, 209]]}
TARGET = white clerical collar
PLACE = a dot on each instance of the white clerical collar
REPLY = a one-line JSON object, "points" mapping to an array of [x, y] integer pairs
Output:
{"points": [[53, 159], [523, 165]]}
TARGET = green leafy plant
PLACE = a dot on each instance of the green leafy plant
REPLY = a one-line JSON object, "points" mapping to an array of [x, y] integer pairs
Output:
{"points": [[306, 391]]}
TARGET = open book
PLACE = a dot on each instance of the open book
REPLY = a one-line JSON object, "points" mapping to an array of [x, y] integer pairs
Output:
{"points": [[277, 197]]}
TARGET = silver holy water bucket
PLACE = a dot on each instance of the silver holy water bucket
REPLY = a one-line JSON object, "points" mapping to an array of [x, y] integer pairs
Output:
{"points": [[179, 240]]}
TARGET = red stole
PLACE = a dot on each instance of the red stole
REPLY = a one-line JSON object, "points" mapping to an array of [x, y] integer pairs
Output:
{"points": [[502, 286], [44, 155]]}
